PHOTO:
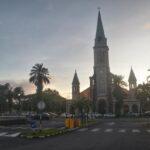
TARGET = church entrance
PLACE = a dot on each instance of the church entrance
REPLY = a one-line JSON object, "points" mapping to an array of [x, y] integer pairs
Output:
{"points": [[134, 108], [101, 107], [126, 109]]}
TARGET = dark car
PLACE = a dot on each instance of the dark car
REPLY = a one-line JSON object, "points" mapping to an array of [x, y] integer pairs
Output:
{"points": [[45, 116]]}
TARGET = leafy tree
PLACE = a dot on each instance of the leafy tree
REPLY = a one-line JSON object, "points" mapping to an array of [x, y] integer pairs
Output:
{"points": [[6, 97], [82, 105], [143, 95], [18, 95]]}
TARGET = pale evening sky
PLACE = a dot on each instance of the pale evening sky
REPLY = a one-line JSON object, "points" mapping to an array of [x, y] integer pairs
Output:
{"points": [[60, 34]]}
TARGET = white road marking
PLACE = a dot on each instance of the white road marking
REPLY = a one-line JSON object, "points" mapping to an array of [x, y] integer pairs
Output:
{"points": [[136, 131], [122, 130], [111, 123], [13, 135], [148, 130], [95, 130], [108, 130], [3, 133], [83, 129]]}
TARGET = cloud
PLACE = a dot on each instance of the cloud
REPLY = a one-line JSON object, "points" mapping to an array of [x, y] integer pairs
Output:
{"points": [[147, 26]]}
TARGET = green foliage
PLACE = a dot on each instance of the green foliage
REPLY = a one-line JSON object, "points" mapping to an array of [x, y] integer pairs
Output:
{"points": [[44, 133], [54, 102], [143, 94], [81, 105]]}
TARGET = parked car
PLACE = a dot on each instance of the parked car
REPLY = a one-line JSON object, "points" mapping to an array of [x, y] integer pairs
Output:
{"points": [[146, 114], [131, 114], [98, 115], [45, 116], [109, 115]]}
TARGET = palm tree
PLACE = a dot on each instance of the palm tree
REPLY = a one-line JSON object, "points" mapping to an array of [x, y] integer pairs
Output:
{"points": [[118, 81], [18, 94], [118, 92], [39, 76]]}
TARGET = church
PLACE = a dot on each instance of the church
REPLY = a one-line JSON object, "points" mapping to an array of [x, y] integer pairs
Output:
{"points": [[101, 84]]}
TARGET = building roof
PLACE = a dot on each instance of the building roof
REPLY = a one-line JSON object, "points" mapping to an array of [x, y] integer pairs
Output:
{"points": [[86, 93], [75, 79]]}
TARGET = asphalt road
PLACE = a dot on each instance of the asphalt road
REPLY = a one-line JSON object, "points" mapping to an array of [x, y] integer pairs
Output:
{"points": [[106, 135]]}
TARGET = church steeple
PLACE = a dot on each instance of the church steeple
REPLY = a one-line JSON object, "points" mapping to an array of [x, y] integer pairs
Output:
{"points": [[75, 79], [102, 89], [100, 35], [75, 86], [132, 80], [99, 30]]}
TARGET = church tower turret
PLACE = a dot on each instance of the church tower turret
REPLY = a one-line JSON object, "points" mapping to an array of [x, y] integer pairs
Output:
{"points": [[75, 86], [101, 70], [132, 80]]}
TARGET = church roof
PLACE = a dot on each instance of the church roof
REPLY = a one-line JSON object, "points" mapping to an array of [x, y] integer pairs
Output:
{"points": [[75, 79], [99, 31], [132, 77], [86, 93]]}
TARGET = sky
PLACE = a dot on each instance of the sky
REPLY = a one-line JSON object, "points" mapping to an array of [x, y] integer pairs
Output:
{"points": [[60, 34]]}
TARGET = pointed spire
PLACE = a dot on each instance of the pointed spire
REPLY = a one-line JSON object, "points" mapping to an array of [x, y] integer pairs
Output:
{"points": [[100, 31], [75, 79], [132, 78]]}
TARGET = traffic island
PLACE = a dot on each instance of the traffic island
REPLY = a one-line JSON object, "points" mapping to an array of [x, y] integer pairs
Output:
{"points": [[44, 133], [50, 132]]}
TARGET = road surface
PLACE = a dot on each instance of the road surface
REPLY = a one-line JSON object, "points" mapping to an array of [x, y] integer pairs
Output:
{"points": [[108, 134]]}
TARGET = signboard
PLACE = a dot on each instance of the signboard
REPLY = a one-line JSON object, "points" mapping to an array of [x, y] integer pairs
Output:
{"points": [[41, 105]]}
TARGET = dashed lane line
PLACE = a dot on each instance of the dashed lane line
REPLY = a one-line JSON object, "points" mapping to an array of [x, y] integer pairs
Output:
{"points": [[122, 131], [3, 133], [95, 129], [135, 131], [108, 130], [148, 130], [83, 129], [111, 123], [13, 135]]}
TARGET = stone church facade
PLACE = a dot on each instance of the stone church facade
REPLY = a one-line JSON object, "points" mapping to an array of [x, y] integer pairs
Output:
{"points": [[101, 86]]}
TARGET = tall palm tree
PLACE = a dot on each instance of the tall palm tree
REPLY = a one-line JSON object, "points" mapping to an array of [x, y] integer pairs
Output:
{"points": [[39, 76], [18, 94], [118, 81], [118, 92]]}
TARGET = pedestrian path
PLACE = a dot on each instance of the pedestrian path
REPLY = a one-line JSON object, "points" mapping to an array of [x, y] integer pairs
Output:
{"points": [[12, 135], [114, 130]]}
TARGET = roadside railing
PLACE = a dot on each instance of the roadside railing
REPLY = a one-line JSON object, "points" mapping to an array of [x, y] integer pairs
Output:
{"points": [[12, 120]]}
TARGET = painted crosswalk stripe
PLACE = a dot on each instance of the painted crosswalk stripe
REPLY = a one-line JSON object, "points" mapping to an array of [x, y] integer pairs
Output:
{"points": [[13, 135], [111, 123], [108, 130], [3, 133], [136, 131], [122, 131], [83, 129], [148, 130], [95, 130]]}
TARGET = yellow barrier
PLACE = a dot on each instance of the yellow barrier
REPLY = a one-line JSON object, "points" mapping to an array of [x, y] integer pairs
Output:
{"points": [[67, 122], [72, 123]]}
